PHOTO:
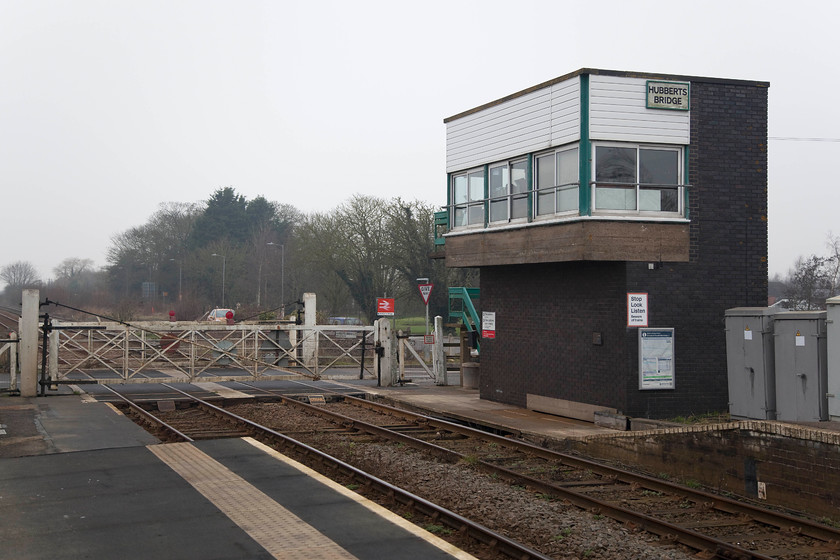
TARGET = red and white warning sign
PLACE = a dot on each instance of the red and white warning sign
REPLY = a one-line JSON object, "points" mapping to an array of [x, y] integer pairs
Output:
{"points": [[488, 324], [384, 306], [425, 292]]}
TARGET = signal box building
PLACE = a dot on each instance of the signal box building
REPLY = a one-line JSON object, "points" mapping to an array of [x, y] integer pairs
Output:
{"points": [[614, 217]]}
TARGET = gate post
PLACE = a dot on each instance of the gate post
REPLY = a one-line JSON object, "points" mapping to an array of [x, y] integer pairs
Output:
{"points": [[438, 356], [309, 340], [385, 362], [53, 357], [29, 344], [13, 362], [402, 340]]}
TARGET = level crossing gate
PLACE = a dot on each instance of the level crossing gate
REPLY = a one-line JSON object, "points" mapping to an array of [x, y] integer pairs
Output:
{"points": [[141, 352]]}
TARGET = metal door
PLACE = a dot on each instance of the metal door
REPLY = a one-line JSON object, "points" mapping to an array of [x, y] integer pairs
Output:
{"points": [[801, 375], [749, 356]]}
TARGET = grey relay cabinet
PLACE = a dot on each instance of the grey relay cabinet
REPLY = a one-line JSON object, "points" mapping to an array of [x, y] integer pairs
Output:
{"points": [[833, 333], [750, 362], [801, 366]]}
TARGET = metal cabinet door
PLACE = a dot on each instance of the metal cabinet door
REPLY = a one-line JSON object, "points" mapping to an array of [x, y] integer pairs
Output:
{"points": [[800, 363], [749, 356]]}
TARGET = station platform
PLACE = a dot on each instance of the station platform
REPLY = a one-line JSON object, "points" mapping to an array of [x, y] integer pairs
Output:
{"points": [[230, 498], [80, 480]]}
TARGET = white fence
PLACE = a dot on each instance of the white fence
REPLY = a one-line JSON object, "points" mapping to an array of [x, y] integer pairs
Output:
{"points": [[8, 351], [142, 352], [150, 352]]}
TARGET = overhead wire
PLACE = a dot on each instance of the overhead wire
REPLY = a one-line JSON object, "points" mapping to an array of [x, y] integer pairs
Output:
{"points": [[802, 139]]}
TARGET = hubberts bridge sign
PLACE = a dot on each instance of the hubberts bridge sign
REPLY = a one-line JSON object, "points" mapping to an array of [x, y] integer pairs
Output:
{"points": [[668, 95]]}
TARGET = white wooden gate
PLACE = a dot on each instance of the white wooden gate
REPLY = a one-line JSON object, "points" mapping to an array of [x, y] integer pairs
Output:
{"points": [[143, 352]]}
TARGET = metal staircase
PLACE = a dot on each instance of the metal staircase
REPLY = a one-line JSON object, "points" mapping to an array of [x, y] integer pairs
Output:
{"points": [[462, 305]]}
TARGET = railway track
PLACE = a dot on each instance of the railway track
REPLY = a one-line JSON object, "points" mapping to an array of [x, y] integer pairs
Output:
{"points": [[9, 320], [711, 525], [198, 424]]}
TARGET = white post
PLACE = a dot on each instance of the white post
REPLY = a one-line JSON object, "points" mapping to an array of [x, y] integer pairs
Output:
{"points": [[53, 357], [401, 353], [309, 342], [13, 362], [29, 344], [375, 340], [438, 355], [386, 365]]}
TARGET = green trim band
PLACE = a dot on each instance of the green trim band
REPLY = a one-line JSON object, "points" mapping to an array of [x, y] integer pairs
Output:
{"points": [[486, 195], [529, 171], [585, 151]]}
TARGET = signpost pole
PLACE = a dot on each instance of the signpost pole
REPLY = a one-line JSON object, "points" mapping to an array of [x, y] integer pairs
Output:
{"points": [[425, 292]]}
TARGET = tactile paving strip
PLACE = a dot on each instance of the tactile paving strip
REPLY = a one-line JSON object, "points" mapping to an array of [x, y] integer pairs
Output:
{"points": [[279, 531]]}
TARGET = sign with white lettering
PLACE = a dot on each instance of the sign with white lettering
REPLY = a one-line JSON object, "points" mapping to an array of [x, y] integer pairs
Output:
{"points": [[488, 324], [656, 359], [668, 95], [637, 309]]}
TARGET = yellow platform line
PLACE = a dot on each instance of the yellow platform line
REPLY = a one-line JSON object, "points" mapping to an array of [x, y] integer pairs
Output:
{"points": [[275, 528], [395, 519]]}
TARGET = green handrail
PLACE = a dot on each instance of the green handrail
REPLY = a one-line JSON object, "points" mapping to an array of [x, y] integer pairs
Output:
{"points": [[464, 299], [441, 226]]}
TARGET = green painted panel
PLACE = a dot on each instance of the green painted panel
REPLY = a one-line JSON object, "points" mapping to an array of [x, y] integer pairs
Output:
{"points": [[585, 150]]}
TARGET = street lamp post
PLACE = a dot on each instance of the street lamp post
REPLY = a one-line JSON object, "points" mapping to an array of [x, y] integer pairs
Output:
{"points": [[223, 276], [180, 268], [282, 276]]}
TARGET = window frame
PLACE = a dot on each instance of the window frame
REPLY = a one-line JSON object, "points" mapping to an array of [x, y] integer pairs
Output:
{"points": [[471, 206], [638, 186], [556, 187], [508, 197]]}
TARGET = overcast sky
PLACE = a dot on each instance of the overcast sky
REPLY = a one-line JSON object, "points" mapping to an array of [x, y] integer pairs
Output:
{"points": [[109, 108]]}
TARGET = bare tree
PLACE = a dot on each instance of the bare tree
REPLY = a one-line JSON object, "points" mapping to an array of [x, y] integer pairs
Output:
{"points": [[808, 284], [72, 267], [833, 264], [353, 241], [20, 274]]}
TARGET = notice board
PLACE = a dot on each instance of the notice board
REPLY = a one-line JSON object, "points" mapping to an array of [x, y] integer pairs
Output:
{"points": [[656, 359]]}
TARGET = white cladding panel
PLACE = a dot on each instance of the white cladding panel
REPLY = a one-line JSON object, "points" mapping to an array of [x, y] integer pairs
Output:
{"points": [[565, 112], [538, 120], [617, 112]]}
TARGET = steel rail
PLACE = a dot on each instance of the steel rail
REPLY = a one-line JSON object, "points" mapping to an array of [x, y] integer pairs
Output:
{"points": [[776, 519], [664, 529], [148, 416], [465, 526], [696, 540]]}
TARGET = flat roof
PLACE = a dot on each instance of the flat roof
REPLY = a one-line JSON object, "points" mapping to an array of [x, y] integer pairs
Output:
{"points": [[601, 72]]}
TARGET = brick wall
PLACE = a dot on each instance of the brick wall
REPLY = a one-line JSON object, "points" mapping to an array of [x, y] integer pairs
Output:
{"points": [[799, 466], [728, 236], [546, 314]]}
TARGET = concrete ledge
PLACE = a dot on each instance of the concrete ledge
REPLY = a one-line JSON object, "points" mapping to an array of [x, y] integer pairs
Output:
{"points": [[569, 409], [610, 420], [644, 424]]}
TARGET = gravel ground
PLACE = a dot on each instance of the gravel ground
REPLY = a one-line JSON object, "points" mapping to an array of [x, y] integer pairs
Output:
{"points": [[552, 527]]}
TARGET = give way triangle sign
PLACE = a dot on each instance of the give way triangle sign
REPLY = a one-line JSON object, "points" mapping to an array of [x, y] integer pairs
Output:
{"points": [[425, 291]]}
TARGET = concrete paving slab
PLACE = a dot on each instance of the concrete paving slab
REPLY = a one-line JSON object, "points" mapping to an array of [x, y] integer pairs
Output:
{"points": [[67, 423], [465, 405], [129, 503], [349, 522], [110, 503]]}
